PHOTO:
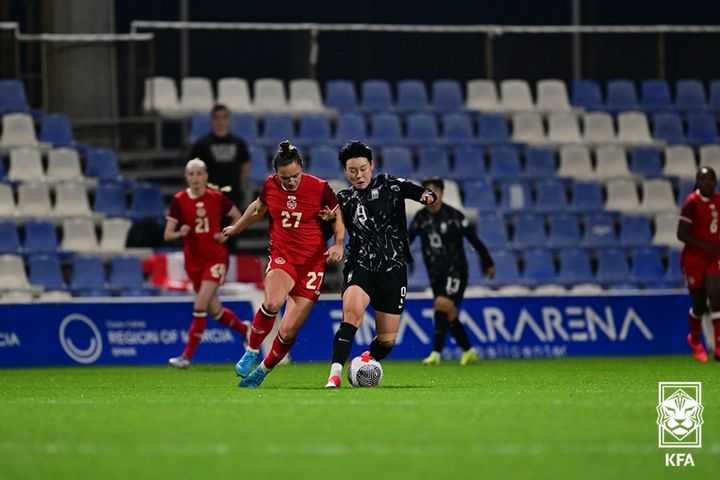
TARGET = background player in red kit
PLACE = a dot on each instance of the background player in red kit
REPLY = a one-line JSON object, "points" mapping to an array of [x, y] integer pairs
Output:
{"points": [[296, 202], [700, 259], [199, 210]]}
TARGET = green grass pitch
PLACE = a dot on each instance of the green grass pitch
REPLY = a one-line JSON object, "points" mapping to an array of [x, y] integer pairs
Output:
{"points": [[586, 418]]}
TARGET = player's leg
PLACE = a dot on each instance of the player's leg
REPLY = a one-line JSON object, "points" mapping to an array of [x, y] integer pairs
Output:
{"points": [[443, 307], [389, 302], [694, 271], [712, 288], [387, 326], [205, 293], [227, 317]]}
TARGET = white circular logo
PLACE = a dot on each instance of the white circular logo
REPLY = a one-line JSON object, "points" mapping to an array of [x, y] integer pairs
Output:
{"points": [[94, 349], [280, 260]]}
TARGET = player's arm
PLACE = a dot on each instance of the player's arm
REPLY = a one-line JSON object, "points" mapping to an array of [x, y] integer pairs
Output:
{"points": [[171, 231], [415, 192], [336, 250], [253, 213], [486, 262]]}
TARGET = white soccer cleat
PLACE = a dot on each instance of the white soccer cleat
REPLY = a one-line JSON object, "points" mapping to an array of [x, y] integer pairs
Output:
{"points": [[333, 382], [179, 362]]}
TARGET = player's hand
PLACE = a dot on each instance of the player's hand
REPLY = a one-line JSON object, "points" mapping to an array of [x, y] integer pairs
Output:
{"points": [[327, 214], [220, 237], [490, 272], [184, 230], [334, 254], [228, 232], [428, 199]]}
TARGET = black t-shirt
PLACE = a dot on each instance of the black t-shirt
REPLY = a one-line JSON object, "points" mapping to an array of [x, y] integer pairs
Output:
{"points": [[224, 157]]}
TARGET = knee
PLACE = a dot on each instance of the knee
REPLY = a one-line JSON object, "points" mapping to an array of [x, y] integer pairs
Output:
{"points": [[273, 304], [353, 316]]}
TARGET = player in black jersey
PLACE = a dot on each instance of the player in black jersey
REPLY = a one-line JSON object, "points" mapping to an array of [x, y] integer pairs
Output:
{"points": [[441, 229], [373, 210]]}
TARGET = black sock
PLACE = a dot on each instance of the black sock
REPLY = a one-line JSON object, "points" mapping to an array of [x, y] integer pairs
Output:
{"points": [[343, 343], [458, 331], [378, 351], [441, 329]]}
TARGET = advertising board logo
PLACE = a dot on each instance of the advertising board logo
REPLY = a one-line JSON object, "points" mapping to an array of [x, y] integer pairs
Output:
{"points": [[679, 414], [80, 338]]}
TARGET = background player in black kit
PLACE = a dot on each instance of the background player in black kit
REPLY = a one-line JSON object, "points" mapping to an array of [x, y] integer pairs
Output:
{"points": [[441, 229], [373, 210]]}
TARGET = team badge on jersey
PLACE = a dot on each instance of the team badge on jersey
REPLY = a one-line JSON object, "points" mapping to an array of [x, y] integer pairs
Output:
{"points": [[200, 212], [280, 260], [292, 203], [394, 188], [374, 194], [443, 228]]}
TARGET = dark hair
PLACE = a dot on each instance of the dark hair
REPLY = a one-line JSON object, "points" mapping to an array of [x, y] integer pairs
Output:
{"points": [[219, 107], [701, 171], [354, 149], [286, 154], [436, 181]]}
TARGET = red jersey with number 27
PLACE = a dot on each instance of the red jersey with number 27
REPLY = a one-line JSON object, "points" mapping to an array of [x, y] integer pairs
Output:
{"points": [[295, 231], [703, 215]]}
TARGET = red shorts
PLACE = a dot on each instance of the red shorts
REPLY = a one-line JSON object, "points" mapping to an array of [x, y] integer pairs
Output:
{"points": [[308, 276], [213, 272], [697, 267]]}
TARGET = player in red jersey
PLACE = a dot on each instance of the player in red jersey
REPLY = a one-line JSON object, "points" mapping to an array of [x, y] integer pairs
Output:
{"points": [[199, 210], [296, 202], [700, 258]]}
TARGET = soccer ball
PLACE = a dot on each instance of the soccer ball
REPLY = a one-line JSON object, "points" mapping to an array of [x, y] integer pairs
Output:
{"points": [[364, 371]]}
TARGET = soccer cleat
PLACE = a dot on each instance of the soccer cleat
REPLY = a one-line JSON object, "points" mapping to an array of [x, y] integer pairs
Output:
{"points": [[698, 350], [333, 382], [253, 380], [179, 362], [432, 359], [470, 356], [245, 364]]}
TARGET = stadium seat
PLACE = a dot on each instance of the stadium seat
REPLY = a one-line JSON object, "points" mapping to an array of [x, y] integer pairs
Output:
{"points": [[385, 129], [657, 196], [7, 201], [714, 100], [550, 195], [506, 267], [314, 129], [598, 128], [612, 266], [199, 126], [647, 266], [276, 128], [586, 94], [685, 186], [125, 272], [539, 266], [422, 129], [71, 200], [666, 229], [599, 230], [621, 96], [269, 96], [563, 128], [33, 200], [45, 270], [79, 235], [493, 129], [668, 127], [710, 156], [515, 95], [9, 238], [18, 130], [679, 162], [114, 234], [102, 163], [634, 231], [340, 94], [411, 96], [64, 165], [433, 162], [575, 267], [40, 237], [469, 163], [305, 96], [397, 161], [702, 129], [515, 195], [324, 162], [674, 273], [196, 95], [527, 128], [457, 129], [655, 96], [259, 164], [57, 130], [645, 161], [110, 199], [350, 126], [611, 162], [529, 230], [376, 96], [492, 231], [633, 128], [25, 165], [161, 96], [234, 93], [480, 194], [12, 97], [481, 95], [12, 273], [88, 273], [418, 279], [540, 162], [504, 161], [552, 96], [564, 230], [447, 96], [245, 126], [690, 96], [622, 196], [147, 201], [575, 163]]}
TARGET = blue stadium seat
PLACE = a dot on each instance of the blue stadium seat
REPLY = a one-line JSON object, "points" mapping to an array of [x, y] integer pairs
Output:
{"points": [[564, 230], [9, 238], [645, 161], [125, 272], [550, 195], [586, 94], [40, 237], [506, 267], [418, 279], [314, 129], [529, 230], [433, 161], [539, 266], [668, 127], [457, 129], [586, 196], [88, 273], [515, 194], [674, 274], [110, 199], [655, 96], [469, 163], [45, 270], [411, 96], [276, 128], [376, 96], [422, 129], [324, 162], [147, 201], [447, 96], [385, 129], [492, 130], [714, 100], [635, 231], [199, 126], [480, 194], [685, 186], [540, 162], [621, 96], [340, 94], [492, 231], [12, 97], [702, 129], [599, 230], [612, 266], [56, 129], [575, 267], [504, 161], [259, 164], [102, 163], [397, 161], [350, 126], [245, 126], [647, 266], [139, 292], [2, 166], [690, 96]]}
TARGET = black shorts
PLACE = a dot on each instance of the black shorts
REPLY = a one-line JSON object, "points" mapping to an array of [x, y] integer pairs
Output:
{"points": [[386, 290], [451, 286]]}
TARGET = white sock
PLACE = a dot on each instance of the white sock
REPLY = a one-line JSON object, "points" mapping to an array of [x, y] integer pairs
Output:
{"points": [[336, 369]]}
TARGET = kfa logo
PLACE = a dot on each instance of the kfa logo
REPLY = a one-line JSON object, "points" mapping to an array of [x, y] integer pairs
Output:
{"points": [[679, 420]]}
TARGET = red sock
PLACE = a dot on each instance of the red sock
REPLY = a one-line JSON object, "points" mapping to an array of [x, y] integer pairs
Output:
{"points": [[278, 351], [195, 334], [229, 319], [261, 326]]}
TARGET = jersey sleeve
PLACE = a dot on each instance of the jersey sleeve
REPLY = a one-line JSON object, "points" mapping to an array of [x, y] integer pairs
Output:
{"points": [[225, 205], [263, 192], [688, 212], [174, 212], [329, 199], [408, 189]]}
